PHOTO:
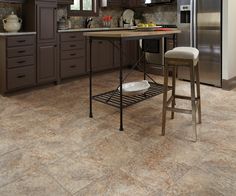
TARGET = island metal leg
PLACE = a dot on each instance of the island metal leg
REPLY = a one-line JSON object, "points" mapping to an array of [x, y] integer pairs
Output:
{"points": [[90, 79], [121, 86]]}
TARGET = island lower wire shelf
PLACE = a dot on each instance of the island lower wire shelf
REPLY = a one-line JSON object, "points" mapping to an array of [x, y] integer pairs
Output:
{"points": [[112, 98]]}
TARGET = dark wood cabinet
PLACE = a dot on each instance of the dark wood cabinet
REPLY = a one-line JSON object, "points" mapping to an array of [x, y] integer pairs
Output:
{"points": [[102, 55], [46, 63], [17, 62], [72, 55], [41, 16], [46, 22], [12, 1], [130, 53], [65, 2], [114, 3], [133, 3]]}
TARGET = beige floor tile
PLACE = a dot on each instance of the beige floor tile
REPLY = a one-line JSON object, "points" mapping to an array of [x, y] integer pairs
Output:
{"points": [[117, 183], [34, 183], [198, 182], [75, 173]]}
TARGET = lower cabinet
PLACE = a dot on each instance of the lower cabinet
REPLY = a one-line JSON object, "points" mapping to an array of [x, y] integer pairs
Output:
{"points": [[102, 55], [17, 63], [21, 77], [46, 63], [130, 53]]}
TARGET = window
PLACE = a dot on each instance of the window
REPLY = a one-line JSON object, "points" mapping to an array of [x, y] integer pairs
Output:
{"points": [[83, 8]]}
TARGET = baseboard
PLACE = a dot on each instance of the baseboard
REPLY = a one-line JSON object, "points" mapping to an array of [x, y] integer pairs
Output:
{"points": [[229, 84]]}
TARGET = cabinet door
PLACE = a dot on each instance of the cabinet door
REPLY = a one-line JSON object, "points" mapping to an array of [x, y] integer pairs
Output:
{"points": [[133, 3], [46, 22], [47, 63], [65, 2], [102, 55], [114, 3], [130, 53]]}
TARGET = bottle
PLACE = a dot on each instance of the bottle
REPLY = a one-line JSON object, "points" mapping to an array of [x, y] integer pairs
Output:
{"points": [[121, 22], [69, 23]]}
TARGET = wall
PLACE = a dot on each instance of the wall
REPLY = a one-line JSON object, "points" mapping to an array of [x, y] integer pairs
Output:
{"points": [[6, 9], [229, 39]]}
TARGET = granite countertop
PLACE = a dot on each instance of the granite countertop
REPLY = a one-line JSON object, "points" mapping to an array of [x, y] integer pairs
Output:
{"points": [[96, 29], [16, 33]]}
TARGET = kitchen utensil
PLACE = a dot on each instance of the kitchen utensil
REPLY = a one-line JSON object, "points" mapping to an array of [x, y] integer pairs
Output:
{"points": [[12, 23], [134, 88]]}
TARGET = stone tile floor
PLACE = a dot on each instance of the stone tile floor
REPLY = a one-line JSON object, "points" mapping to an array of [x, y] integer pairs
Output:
{"points": [[49, 146]]}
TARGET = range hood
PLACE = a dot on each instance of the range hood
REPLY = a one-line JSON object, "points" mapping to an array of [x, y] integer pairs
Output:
{"points": [[148, 2]]}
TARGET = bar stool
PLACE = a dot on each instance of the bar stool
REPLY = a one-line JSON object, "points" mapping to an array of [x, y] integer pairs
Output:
{"points": [[187, 57]]}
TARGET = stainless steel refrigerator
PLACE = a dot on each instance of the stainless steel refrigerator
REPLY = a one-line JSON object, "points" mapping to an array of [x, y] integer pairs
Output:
{"points": [[200, 23]]}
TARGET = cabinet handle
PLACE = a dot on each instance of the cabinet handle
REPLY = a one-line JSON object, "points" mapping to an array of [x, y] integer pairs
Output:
{"points": [[21, 76], [72, 36], [72, 46], [21, 41], [100, 42], [21, 51], [72, 66], [21, 62], [72, 54]]}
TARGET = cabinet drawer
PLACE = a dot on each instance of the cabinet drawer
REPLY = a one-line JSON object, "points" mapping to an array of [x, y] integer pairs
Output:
{"points": [[21, 77], [73, 45], [73, 54], [73, 67], [21, 51], [20, 41], [20, 61], [71, 36]]}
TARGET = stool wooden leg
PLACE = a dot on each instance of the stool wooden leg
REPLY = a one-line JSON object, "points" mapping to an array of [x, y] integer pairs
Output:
{"points": [[164, 99], [198, 95], [173, 90], [193, 100]]}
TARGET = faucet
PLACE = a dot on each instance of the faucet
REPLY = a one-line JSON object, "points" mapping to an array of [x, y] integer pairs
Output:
{"points": [[87, 22]]}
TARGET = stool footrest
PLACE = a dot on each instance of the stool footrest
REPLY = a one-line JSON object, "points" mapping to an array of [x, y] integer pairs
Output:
{"points": [[178, 110], [185, 97]]}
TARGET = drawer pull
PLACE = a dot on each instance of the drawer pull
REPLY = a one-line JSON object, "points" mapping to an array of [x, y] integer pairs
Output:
{"points": [[100, 42], [21, 76], [73, 66], [19, 62], [72, 46], [21, 51], [21, 41], [72, 36], [72, 54]]}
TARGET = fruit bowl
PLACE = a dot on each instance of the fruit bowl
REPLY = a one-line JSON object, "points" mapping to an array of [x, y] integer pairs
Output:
{"points": [[135, 88]]}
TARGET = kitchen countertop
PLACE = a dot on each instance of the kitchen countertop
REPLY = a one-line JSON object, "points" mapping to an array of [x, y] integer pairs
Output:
{"points": [[96, 29], [16, 33], [130, 33]]}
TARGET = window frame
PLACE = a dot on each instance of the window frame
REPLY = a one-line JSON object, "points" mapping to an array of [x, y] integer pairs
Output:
{"points": [[93, 12]]}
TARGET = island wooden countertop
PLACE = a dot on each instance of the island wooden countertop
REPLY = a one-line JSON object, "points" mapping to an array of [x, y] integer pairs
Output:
{"points": [[130, 33]]}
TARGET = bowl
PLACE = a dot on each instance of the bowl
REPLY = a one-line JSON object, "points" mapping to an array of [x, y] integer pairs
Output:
{"points": [[135, 88]]}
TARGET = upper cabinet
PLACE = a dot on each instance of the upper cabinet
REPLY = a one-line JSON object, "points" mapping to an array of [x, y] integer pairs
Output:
{"points": [[133, 3], [12, 1], [46, 25], [65, 2]]}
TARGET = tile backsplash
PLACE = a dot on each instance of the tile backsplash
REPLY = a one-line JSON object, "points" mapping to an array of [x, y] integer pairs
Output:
{"points": [[162, 14], [6, 9]]}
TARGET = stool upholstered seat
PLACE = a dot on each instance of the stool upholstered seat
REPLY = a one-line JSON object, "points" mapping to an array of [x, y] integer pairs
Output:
{"points": [[188, 57], [184, 53]]}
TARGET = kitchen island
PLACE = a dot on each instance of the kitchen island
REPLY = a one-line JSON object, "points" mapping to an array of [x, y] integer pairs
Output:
{"points": [[121, 37]]}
